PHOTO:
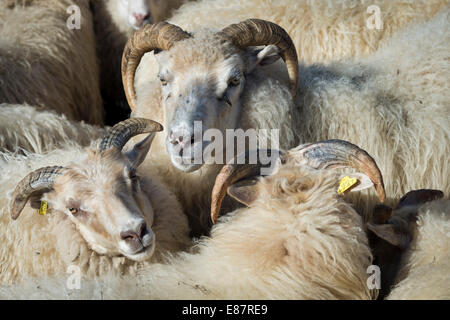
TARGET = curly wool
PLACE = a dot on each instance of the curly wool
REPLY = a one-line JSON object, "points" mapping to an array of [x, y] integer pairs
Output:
{"points": [[393, 104], [300, 240], [36, 245], [43, 63], [41, 130], [424, 271], [322, 30]]}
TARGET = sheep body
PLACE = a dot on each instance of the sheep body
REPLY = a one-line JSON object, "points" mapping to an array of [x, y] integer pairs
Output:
{"points": [[322, 31], [425, 265], [38, 131], [36, 245], [299, 240], [44, 63]]}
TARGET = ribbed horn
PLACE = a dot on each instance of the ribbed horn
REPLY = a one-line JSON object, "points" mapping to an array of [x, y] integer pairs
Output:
{"points": [[125, 130], [160, 36], [38, 180], [339, 154], [320, 155], [256, 32], [232, 173]]}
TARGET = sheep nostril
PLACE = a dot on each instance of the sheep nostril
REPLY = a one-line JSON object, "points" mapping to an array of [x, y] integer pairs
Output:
{"points": [[172, 139], [142, 230], [128, 235], [139, 17]]}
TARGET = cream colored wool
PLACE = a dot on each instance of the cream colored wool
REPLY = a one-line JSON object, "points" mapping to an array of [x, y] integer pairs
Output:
{"points": [[322, 30], [43, 63], [36, 245], [36, 130], [394, 104], [299, 240], [425, 266]]}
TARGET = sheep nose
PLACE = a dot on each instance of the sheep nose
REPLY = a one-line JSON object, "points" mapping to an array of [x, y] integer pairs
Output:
{"points": [[133, 235], [140, 17], [181, 138]]}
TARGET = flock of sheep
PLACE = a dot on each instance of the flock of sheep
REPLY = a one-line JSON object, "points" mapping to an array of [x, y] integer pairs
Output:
{"points": [[348, 101]]}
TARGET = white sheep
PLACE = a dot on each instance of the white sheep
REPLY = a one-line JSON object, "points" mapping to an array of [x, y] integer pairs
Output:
{"points": [[114, 23], [322, 31], [298, 239], [412, 246], [101, 216], [44, 63], [383, 102], [38, 130]]}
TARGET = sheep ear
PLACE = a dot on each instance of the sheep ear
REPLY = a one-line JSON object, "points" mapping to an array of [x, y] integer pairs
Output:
{"points": [[140, 150], [389, 233], [416, 197], [246, 191], [35, 199], [263, 57]]}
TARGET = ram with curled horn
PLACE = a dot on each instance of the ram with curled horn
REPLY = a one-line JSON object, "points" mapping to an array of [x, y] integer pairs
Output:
{"points": [[238, 180], [297, 239], [208, 81], [98, 209], [213, 77]]}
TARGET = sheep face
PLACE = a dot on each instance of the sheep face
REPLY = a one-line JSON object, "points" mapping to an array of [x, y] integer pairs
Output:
{"points": [[102, 196], [136, 12], [100, 193], [202, 80]]}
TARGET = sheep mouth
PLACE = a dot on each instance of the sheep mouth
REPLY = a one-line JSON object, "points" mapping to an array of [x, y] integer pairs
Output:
{"points": [[138, 25], [139, 250], [142, 254], [189, 158]]}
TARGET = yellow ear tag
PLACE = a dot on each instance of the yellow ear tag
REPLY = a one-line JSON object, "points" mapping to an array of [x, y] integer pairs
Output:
{"points": [[346, 184], [43, 208]]}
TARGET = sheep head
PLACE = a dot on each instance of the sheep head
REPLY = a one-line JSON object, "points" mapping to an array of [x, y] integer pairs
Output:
{"points": [[203, 76], [101, 194], [239, 180], [136, 12]]}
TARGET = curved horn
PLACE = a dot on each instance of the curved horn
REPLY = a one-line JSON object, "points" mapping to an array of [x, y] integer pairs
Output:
{"points": [[256, 32], [125, 130], [38, 180], [230, 174], [339, 154], [321, 155], [160, 36]]}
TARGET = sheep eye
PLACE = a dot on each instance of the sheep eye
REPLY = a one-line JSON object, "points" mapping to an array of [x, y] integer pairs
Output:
{"points": [[74, 211], [134, 178], [235, 81], [163, 81], [132, 174]]}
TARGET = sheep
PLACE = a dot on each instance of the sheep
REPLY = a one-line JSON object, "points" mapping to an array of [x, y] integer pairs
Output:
{"points": [[101, 216], [114, 23], [297, 239], [24, 127], [322, 31], [411, 245], [383, 102], [44, 63]]}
